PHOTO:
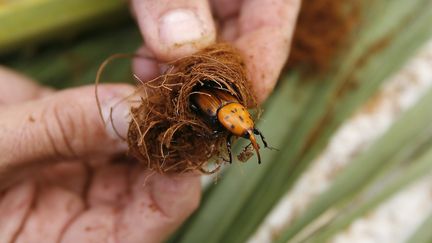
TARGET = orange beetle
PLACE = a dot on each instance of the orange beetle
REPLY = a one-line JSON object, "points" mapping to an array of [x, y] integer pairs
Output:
{"points": [[222, 108]]}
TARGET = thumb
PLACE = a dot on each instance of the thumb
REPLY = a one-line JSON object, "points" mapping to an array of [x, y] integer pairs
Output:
{"points": [[66, 125], [173, 29]]}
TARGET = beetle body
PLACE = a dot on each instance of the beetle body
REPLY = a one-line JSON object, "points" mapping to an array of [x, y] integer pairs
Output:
{"points": [[224, 110]]}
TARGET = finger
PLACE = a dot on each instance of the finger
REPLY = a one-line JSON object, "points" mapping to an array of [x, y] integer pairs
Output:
{"points": [[107, 194], [94, 225], [70, 175], [53, 210], [265, 39], [14, 208], [264, 61], [226, 8], [159, 204], [16, 88], [229, 31], [145, 66], [64, 126], [173, 29], [109, 186]]}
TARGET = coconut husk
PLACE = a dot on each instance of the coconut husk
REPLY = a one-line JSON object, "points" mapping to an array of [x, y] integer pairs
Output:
{"points": [[165, 134]]}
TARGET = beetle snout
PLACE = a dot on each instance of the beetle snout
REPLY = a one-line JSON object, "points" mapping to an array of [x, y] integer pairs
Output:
{"points": [[255, 145]]}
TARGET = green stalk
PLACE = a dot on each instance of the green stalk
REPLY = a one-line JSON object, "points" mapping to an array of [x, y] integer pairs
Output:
{"points": [[30, 21], [404, 176], [367, 165], [76, 63]]}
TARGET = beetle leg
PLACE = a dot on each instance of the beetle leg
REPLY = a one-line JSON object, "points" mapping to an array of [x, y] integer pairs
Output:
{"points": [[247, 146], [258, 132], [228, 143]]}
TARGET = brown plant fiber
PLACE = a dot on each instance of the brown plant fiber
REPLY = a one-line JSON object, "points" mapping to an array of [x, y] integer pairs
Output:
{"points": [[165, 134]]}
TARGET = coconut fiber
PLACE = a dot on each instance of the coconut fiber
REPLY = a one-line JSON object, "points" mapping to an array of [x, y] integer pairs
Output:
{"points": [[165, 133]]}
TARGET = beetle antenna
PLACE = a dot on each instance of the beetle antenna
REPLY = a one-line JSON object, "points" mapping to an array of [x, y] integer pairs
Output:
{"points": [[258, 132]]}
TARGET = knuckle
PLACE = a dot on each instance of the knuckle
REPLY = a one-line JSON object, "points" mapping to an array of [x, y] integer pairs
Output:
{"points": [[61, 125]]}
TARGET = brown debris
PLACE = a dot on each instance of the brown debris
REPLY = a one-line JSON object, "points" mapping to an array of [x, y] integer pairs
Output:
{"points": [[246, 154], [323, 27], [165, 134]]}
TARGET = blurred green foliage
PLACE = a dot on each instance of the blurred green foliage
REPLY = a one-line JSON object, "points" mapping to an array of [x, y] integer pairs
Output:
{"points": [[75, 62]]}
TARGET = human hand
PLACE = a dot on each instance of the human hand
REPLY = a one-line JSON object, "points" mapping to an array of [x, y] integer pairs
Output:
{"points": [[57, 179], [260, 29]]}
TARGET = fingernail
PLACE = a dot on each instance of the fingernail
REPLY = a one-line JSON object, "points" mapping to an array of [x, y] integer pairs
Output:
{"points": [[116, 115], [180, 26]]}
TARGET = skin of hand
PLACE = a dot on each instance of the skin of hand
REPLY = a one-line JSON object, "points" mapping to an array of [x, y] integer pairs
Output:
{"points": [[260, 29], [58, 179]]}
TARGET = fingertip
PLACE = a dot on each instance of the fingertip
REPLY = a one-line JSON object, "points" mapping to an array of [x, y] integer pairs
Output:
{"points": [[265, 29], [159, 204], [115, 104], [265, 51], [175, 29], [176, 195], [81, 123], [145, 65], [183, 31], [256, 14]]}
